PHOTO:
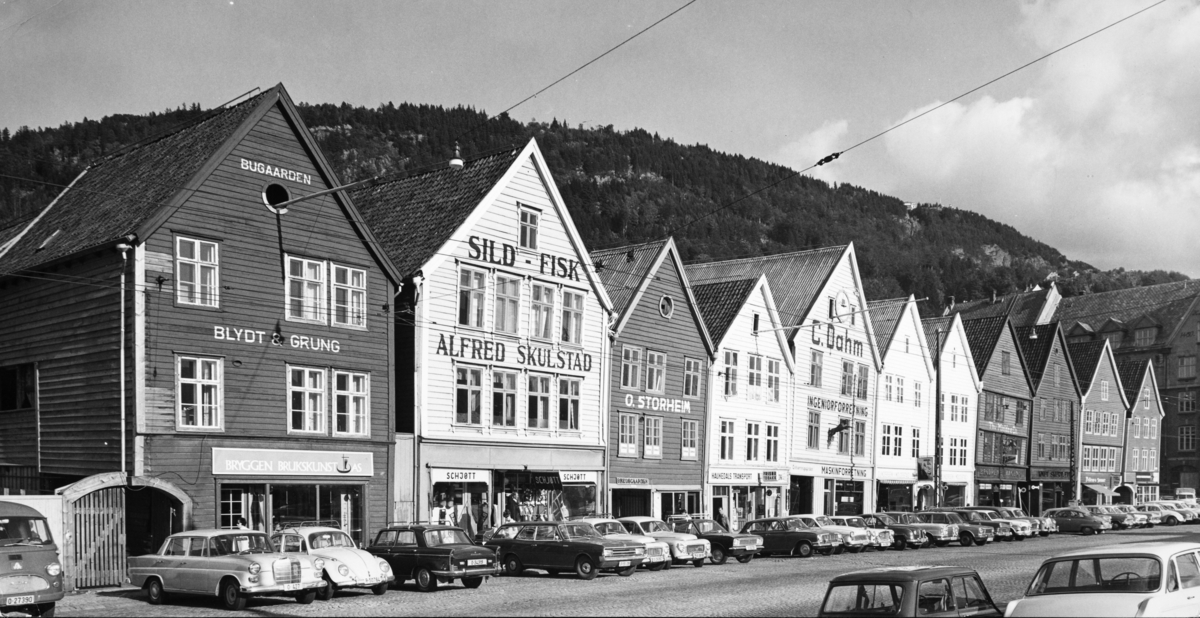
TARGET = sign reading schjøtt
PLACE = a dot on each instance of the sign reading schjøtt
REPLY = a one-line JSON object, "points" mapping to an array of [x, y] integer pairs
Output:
{"points": [[271, 462]]}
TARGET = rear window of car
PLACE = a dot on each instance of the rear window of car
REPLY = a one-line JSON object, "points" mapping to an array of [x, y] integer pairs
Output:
{"points": [[882, 599], [1100, 575]]}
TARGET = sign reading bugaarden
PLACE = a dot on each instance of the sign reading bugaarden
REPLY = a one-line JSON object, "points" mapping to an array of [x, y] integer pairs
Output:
{"points": [[275, 462]]}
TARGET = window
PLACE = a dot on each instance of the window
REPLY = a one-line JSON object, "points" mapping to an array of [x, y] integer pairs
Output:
{"points": [[199, 393], [917, 394], [1058, 411], [352, 410], [543, 311], [306, 391], [1005, 363], [963, 407], [935, 596], [1137, 427], [814, 430], [631, 367], [1146, 398], [504, 399], [656, 372], [1041, 446], [1153, 428], [468, 395], [666, 307], [1019, 418], [470, 298], [864, 376], [815, 369], [691, 378], [652, 443], [772, 442], [572, 317], [197, 273], [1153, 459], [1187, 401], [1112, 460], [627, 435], [848, 378], [508, 304], [1143, 336], [897, 440], [843, 439], [568, 404], [349, 297], [1042, 410], [726, 440], [306, 290], [1103, 390], [1187, 438], [886, 441], [1187, 367], [754, 377], [1104, 423], [529, 229], [1090, 422], [887, 388], [772, 380], [691, 440], [731, 367], [752, 433], [899, 389], [860, 437], [916, 442], [539, 402], [1057, 374]]}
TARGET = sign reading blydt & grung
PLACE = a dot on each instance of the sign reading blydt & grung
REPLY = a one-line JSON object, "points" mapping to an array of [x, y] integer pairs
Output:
{"points": [[278, 462]]}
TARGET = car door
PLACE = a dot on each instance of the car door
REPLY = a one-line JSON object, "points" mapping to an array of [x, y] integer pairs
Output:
{"points": [[935, 598], [195, 572], [971, 597], [166, 565], [1066, 521], [382, 547], [404, 553], [1183, 587], [525, 546], [556, 551], [770, 541]]}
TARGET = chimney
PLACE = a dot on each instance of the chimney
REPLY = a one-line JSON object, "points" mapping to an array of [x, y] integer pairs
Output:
{"points": [[993, 296], [456, 163]]}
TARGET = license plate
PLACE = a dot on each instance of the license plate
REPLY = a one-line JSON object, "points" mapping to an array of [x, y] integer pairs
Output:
{"points": [[477, 562], [291, 586], [624, 563], [25, 600], [697, 554]]}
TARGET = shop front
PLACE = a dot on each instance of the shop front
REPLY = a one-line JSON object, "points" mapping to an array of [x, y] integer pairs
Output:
{"points": [[897, 489], [958, 487], [1100, 488], [845, 489], [1002, 486], [1049, 488], [741, 495], [1145, 487]]}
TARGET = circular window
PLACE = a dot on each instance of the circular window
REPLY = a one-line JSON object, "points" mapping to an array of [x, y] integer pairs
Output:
{"points": [[666, 306], [275, 194]]}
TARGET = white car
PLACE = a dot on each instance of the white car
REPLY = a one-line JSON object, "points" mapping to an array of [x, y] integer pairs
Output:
{"points": [[684, 547], [855, 539], [1133, 579], [346, 566], [881, 538], [658, 553], [1169, 516]]}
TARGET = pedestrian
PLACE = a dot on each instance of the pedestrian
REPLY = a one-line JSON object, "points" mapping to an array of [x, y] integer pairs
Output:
{"points": [[721, 518]]}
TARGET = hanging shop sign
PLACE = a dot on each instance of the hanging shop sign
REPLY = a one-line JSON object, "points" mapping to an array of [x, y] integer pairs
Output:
{"points": [[835, 338], [272, 462], [470, 348], [841, 407], [924, 469], [1146, 477], [446, 475], [262, 337], [484, 249], [641, 402], [266, 169]]}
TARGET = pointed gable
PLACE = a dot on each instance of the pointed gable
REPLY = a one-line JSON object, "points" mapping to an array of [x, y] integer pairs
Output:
{"points": [[983, 334], [1036, 344], [1086, 357], [1133, 374], [720, 302], [886, 316]]}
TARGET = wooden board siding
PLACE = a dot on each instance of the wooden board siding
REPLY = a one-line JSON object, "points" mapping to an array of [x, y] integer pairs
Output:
{"points": [[1014, 385], [1049, 392], [906, 358], [956, 380], [1114, 406], [1147, 407], [71, 331], [678, 338]]}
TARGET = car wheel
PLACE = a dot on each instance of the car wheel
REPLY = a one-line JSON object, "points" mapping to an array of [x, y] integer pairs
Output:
{"points": [[1171, 521], [585, 568], [379, 589], [966, 540], [900, 545], [154, 592], [231, 597], [658, 566], [512, 565], [1044, 533], [718, 555], [839, 550], [472, 582], [803, 549], [425, 579], [1086, 531], [327, 591], [306, 597], [1018, 537], [917, 546], [627, 572], [698, 563], [858, 550], [746, 558]]}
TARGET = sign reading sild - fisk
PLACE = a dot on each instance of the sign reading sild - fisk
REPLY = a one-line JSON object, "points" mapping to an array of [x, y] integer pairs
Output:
{"points": [[273, 462]]}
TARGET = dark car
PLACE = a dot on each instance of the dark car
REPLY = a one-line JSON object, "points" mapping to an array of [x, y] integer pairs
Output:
{"points": [[723, 543], [969, 533], [790, 535], [1120, 519], [1076, 519], [909, 591], [30, 574], [433, 554], [1001, 530], [905, 535], [557, 546]]}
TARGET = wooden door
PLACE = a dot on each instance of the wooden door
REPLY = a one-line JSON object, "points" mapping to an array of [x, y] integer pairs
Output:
{"points": [[96, 554]]}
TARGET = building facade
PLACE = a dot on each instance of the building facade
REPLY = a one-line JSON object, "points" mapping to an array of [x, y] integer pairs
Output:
{"points": [[957, 387], [1142, 436], [1054, 422], [1104, 408]]}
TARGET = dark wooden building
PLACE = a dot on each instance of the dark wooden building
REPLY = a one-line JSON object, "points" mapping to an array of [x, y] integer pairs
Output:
{"points": [[1054, 419], [1104, 407]]}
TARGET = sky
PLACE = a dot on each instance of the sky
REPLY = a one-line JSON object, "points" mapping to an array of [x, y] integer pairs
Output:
{"points": [[1095, 151]]}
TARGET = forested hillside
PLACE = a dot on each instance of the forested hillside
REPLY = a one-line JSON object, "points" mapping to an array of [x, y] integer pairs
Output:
{"points": [[625, 187]]}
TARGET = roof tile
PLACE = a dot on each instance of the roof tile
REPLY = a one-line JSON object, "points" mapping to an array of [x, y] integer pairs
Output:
{"points": [[622, 270], [982, 335], [885, 317], [720, 302], [1166, 303]]}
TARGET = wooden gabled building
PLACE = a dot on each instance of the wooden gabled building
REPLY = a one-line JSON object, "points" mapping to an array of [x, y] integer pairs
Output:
{"points": [[1054, 416]]}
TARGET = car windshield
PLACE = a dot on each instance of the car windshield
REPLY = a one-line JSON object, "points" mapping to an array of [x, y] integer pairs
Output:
{"points": [[856, 522], [1018, 513], [578, 531], [24, 531], [707, 526], [655, 525], [606, 528], [446, 536], [1098, 575], [241, 544], [954, 518], [886, 520], [909, 518], [858, 599], [824, 521], [796, 524], [973, 516], [321, 540], [986, 516]]}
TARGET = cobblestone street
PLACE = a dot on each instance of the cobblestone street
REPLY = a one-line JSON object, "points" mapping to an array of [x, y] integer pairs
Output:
{"points": [[766, 586]]}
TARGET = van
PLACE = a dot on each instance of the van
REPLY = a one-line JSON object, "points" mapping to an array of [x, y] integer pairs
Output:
{"points": [[30, 573]]}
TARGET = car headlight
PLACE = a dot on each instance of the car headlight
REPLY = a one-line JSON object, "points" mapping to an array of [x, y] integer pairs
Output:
{"points": [[640, 551], [343, 570], [608, 553], [53, 569], [254, 568], [384, 566], [318, 565], [681, 547]]}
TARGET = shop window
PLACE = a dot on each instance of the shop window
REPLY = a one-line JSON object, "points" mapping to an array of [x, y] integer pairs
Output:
{"points": [[529, 228], [752, 438], [652, 435], [197, 272], [864, 378], [772, 443], [306, 290], [200, 393], [727, 430], [1187, 367], [860, 437], [468, 393], [508, 304], [627, 435], [471, 285], [679, 503], [656, 372], [18, 387], [539, 402], [568, 404], [814, 430], [543, 312], [690, 445], [572, 317], [692, 370], [243, 506], [464, 505], [504, 399], [731, 369], [334, 506], [816, 368], [306, 392], [631, 367], [351, 393], [847, 379], [349, 297]]}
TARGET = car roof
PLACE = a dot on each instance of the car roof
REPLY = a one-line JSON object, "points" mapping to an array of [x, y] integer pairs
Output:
{"points": [[12, 509], [536, 523], [907, 574], [1161, 549], [307, 530], [595, 520], [421, 527], [210, 532], [639, 518]]}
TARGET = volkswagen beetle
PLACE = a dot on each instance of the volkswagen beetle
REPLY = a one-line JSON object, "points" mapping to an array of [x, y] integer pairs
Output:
{"points": [[346, 566]]}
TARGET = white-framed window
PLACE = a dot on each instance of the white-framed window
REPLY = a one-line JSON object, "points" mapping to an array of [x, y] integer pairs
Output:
{"points": [[1146, 398], [888, 389], [468, 395], [772, 442], [306, 397], [731, 369], [816, 368], [508, 304], [916, 394], [652, 438], [886, 441], [504, 398], [349, 297], [538, 410], [864, 379], [1104, 423], [1187, 438], [964, 406], [200, 387], [1089, 424], [306, 290], [1145, 459], [897, 440], [572, 317], [471, 284], [860, 437], [690, 444], [631, 368], [197, 272], [1137, 427], [1143, 336], [568, 403], [692, 370], [352, 403], [1153, 428], [772, 380], [627, 435], [1112, 460], [848, 379], [543, 312], [529, 228], [754, 376], [1187, 367], [1187, 401], [1153, 459], [1103, 390], [916, 441], [814, 430], [1041, 445], [1005, 363], [753, 431], [1087, 458], [899, 389], [726, 444], [656, 372]]}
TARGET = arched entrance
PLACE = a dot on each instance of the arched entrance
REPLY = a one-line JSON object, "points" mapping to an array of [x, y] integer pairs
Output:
{"points": [[106, 519], [1124, 495]]}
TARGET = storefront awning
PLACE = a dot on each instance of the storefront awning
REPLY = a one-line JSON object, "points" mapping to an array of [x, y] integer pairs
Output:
{"points": [[532, 480], [1100, 489]]}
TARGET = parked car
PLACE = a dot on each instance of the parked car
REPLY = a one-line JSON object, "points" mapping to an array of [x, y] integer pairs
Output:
{"points": [[31, 575], [1042, 526], [722, 543], [905, 535], [968, 533], [433, 554], [854, 539], [1191, 515], [658, 553], [1076, 519], [346, 566], [881, 538], [1168, 516], [1133, 579], [1135, 519], [909, 591], [1001, 531], [233, 565], [936, 534], [791, 536], [684, 547], [1021, 527], [1153, 518], [557, 546], [1120, 519]]}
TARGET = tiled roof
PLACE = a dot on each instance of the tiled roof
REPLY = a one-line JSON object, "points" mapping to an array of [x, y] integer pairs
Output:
{"points": [[982, 336], [931, 326], [1085, 356], [1166, 303], [795, 278], [622, 270], [720, 302], [118, 193], [1133, 373], [1036, 351], [1021, 308], [885, 317], [413, 217]]}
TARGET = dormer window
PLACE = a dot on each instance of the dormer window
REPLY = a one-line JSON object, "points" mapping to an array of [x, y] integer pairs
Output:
{"points": [[1114, 337], [1144, 336]]}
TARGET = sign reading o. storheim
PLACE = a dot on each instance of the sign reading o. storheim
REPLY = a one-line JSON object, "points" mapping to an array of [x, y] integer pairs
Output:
{"points": [[270, 462]]}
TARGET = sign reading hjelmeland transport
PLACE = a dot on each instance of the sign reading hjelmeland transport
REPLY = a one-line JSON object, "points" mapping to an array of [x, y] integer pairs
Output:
{"points": [[276, 462]]}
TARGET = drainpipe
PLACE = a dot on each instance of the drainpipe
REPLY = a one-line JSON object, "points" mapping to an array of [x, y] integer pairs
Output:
{"points": [[937, 419], [124, 246]]}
